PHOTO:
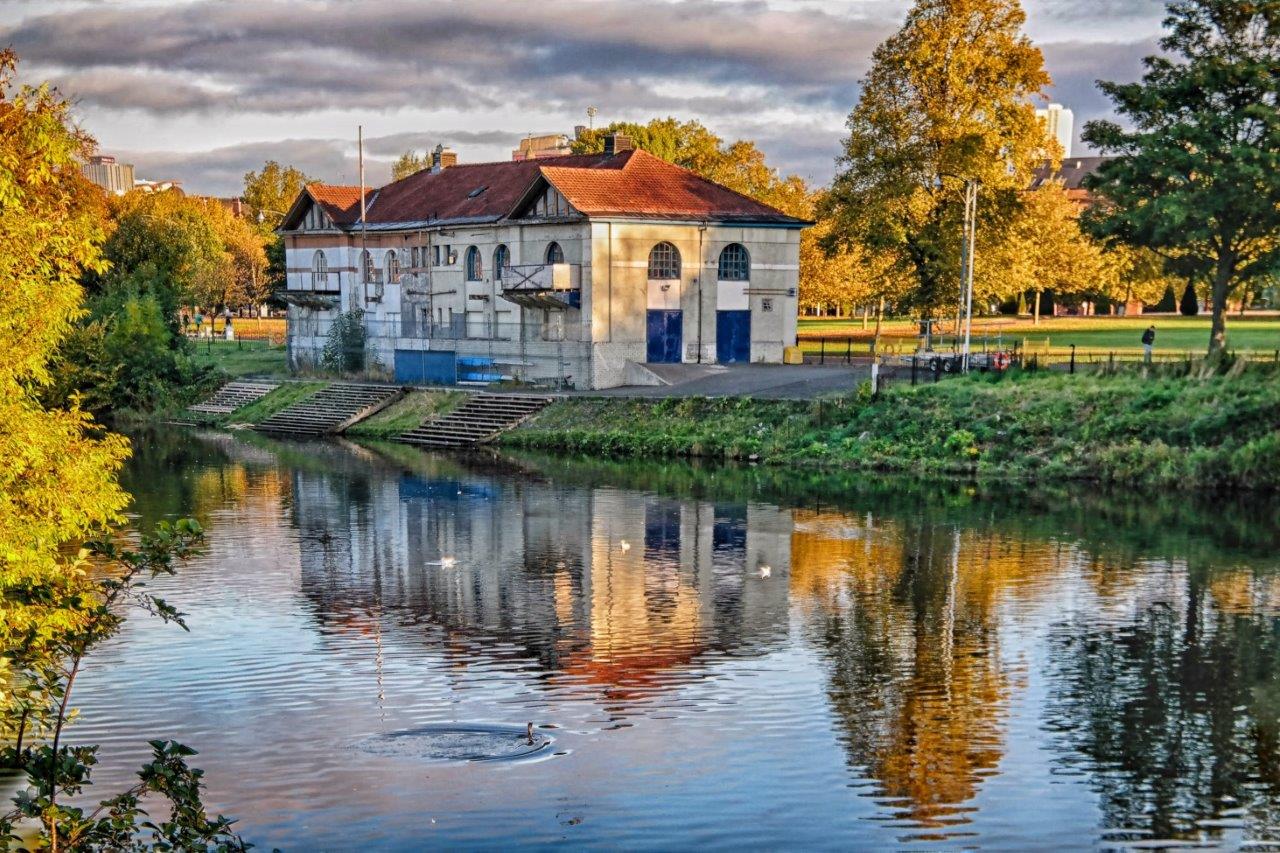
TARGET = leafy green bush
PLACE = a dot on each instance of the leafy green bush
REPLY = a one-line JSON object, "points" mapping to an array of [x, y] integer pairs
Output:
{"points": [[126, 356], [344, 350]]}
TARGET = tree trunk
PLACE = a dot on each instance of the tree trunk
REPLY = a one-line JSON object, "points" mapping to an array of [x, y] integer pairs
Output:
{"points": [[1036, 320], [1222, 277], [866, 311]]}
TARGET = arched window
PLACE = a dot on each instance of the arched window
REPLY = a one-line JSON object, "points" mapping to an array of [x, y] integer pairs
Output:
{"points": [[475, 269], [735, 263], [393, 267], [501, 260], [664, 262], [319, 270], [555, 255], [366, 266]]}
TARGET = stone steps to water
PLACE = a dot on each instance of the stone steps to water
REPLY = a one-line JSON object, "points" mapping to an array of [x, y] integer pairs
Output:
{"points": [[481, 418], [232, 396], [331, 410]]}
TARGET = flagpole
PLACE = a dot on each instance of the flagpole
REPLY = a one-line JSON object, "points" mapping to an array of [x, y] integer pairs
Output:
{"points": [[364, 269]]}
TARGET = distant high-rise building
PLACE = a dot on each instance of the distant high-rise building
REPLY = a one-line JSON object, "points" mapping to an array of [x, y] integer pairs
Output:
{"points": [[1060, 122], [113, 177]]}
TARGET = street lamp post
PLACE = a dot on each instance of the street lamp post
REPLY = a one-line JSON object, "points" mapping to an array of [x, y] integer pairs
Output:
{"points": [[970, 238], [964, 307]]}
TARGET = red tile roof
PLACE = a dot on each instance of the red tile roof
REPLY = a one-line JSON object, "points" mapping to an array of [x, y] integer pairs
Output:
{"points": [[341, 203], [642, 185], [629, 184], [447, 195]]}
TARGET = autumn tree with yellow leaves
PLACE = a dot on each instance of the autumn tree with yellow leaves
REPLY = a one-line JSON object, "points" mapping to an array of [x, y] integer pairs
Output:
{"points": [[948, 99], [58, 488]]}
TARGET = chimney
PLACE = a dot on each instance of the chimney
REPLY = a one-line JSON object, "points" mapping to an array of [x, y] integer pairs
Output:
{"points": [[616, 143], [442, 158]]}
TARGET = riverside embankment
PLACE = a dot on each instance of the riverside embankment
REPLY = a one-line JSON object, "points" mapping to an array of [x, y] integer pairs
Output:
{"points": [[1177, 432]]}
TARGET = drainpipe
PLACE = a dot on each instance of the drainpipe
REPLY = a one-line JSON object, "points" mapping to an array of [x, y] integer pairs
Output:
{"points": [[610, 309], [702, 230]]}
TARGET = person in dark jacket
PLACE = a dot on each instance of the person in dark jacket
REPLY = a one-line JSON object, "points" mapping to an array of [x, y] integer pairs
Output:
{"points": [[1148, 344]]}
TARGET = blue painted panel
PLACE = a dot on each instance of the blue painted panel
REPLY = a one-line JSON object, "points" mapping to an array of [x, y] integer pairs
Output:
{"points": [[665, 337], [733, 336], [416, 367], [477, 368]]}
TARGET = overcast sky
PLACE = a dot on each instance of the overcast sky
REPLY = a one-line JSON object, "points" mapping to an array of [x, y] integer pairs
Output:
{"points": [[203, 90]]}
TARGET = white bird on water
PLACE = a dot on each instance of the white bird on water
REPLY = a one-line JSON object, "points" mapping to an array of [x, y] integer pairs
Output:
{"points": [[626, 546], [765, 571], [445, 562]]}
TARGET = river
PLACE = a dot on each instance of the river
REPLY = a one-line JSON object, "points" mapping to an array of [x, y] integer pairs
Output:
{"points": [[715, 658]]}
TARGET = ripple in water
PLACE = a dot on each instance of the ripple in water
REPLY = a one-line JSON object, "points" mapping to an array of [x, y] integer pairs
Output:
{"points": [[451, 742]]}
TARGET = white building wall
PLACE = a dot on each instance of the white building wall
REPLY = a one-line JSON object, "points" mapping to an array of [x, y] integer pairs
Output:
{"points": [[593, 343]]}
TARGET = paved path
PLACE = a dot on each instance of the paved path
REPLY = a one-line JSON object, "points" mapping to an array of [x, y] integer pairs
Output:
{"points": [[762, 381]]}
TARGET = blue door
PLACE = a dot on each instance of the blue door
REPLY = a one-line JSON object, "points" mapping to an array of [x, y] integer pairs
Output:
{"points": [[666, 337], [733, 336], [415, 367]]}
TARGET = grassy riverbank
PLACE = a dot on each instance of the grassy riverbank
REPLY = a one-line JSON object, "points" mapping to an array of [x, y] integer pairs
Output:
{"points": [[1220, 431]]}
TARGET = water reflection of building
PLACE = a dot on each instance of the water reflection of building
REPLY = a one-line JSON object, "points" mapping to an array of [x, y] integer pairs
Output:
{"points": [[602, 586]]}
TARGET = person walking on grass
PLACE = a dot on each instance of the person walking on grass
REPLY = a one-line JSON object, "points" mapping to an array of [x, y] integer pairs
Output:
{"points": [[1148, 344]]}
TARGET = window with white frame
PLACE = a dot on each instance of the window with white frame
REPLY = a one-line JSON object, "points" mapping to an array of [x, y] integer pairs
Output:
{"points": [[393, 267], [555, 255], [664, 262], [735, 263], [366, 266], [319, 271]]}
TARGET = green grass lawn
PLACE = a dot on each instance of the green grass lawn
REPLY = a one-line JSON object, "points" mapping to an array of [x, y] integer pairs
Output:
{"points": [[241, 358], [1173, 332]]}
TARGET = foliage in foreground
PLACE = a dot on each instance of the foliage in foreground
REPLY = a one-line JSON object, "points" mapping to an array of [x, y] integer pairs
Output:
{"points": [[1136, 429], [71, 613], [58, 488]]}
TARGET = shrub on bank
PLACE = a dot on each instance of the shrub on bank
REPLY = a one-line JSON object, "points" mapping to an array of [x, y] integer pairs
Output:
{"points": [[1139, 429]]}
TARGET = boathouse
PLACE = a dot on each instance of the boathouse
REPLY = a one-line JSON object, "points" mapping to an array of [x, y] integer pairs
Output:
{"points": [[576, 270]]}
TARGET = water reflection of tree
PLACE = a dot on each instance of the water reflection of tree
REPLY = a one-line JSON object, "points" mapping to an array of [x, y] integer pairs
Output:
{"points": [[917, 682], [1174, 708]]}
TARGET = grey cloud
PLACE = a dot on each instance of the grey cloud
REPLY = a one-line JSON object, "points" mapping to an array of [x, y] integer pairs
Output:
{"points": [[722, 61], [1076, 67], [129, 89], [290, 56], [393, 145], [1095, 11], [221, 171]]}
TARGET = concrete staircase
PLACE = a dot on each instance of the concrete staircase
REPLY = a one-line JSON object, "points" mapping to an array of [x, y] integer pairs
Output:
{"points": [[331, 410], [481, 418], [232, 396]]}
